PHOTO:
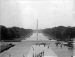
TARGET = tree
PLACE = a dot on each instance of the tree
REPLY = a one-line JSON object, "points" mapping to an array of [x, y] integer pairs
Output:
{"points": [[4, 33]]}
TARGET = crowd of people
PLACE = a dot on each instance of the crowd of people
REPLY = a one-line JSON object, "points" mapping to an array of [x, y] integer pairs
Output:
{"points": [[41, 53]]}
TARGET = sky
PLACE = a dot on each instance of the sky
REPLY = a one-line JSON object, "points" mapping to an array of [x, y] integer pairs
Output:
{"points": [[24, 13]]}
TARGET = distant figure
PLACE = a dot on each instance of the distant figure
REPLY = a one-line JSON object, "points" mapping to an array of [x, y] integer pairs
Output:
{"points": [[33, 48], [57, 43], [50, 39], [43, 52], [23, 56], [48, 46], [61, 45], [49, 43], [43, 44], [9, 55], [33, 54]]}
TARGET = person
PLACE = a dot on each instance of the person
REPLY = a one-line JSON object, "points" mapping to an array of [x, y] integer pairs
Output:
{"points": [[9, 55], [43, 52], [48, 46], [33, 54], [33, 48], [23, 56], [61, 45]]}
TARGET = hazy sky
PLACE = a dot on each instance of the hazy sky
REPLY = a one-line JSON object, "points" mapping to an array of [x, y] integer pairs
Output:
{"points": [[24, 13]]}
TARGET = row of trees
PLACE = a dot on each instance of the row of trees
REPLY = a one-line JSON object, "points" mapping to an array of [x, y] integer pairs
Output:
{"points": [[13, 33], [61, 33]]}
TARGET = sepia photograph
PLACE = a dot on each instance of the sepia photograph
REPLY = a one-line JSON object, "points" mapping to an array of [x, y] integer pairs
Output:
{"points": [[37, 28]]}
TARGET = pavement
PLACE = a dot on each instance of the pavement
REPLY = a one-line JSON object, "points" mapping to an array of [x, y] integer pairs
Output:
{"points": [[26, 47], [39, 37]]}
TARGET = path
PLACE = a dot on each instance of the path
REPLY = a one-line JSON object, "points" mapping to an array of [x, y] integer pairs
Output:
{"points": [[35, 37]]}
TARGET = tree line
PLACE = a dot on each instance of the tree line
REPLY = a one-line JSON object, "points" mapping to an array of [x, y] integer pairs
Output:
{"points": [[61, 33], [13, 33]]}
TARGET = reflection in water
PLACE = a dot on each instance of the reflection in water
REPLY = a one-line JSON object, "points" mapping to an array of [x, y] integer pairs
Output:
{"points": [[40, 50]]}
